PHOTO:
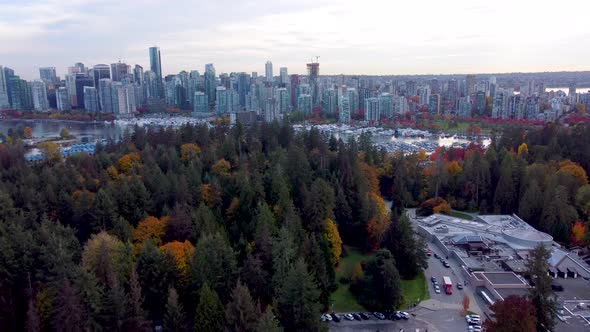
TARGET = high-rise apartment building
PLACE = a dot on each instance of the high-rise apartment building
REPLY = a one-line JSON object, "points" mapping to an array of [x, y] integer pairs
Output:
{"points": [[372, 112], [329, 101], [220, 99], [434, 104], [63, 99], [105, 95], [313, 73], [81, 80], [138, 74], [210, 83], [282, 100], [119, 71], [344, 112], [284, 75], [304, 103], [99, 72], [4, 103], [39, 93], [268, 71], [48, 75], [201, 104], [90, 99], [353, 100], [386, 105]]}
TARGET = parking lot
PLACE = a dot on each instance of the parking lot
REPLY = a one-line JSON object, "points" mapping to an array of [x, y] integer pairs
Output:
{"points": [[443, 320], [436, 269]]}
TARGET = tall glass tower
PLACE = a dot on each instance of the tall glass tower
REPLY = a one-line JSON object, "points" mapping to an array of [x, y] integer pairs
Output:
{"points": [[156, 67]]}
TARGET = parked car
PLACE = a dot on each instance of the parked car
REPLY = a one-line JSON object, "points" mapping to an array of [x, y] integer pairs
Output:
{"points": [[436, 256], [557, 287], [365, 315], [335, 317], [348, 316], [437, 289], [404, 315], [379, 315], [459, 285], [429, 253], [356, 316], [447, 265], [433, 279]]}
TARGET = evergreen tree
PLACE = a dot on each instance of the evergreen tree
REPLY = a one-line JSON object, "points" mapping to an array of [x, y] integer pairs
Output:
{"points": [[136, 321], [69, 315], [174, 319], [298, 300], [214, 263], [268, 322], [209, 316], [154, 269], [241, 314], [531, 206], [406, 247], [541, 295]]}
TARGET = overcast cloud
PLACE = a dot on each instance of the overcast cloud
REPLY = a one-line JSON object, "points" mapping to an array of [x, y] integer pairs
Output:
{"points": [[351, 37]]}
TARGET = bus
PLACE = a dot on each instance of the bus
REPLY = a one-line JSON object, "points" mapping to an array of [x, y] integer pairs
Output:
{"points": [[448, 285]]}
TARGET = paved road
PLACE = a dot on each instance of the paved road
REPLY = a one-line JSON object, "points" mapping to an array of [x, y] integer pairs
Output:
{"points": [[436, 269]]}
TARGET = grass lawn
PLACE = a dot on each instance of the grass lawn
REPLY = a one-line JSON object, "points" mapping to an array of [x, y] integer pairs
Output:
{"points": [[461, 215], [342, 298], [414, 291]]}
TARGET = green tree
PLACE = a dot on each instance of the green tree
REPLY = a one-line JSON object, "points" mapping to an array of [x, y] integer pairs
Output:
{"points": [[209, 316], [298, 300], [506, 195], [407, 248], [174, 318], [531, 207], [214, 263], [154, 269], [558, 215], [540, 294], [136, 319], [69, 315], [241, 314], [268, 322]]}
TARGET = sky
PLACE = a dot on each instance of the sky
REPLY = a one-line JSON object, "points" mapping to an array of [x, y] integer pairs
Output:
{"points": [[373, 37]]}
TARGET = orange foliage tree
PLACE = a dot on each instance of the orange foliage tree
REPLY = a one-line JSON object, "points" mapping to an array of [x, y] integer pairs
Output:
{"points": [[523, 149], [209, 194], [221, 167], [465, 304], [454, 168], [182, 252], [28, 132], [574, 170], [189, 151], [50, 150], [335, 242], [372, 175], [128, 161], [578, 233], [150, 228], [378, 223]]}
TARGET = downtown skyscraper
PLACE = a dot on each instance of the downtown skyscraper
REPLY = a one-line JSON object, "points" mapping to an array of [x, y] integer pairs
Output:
{"points": [[156, 67], [4, 103]]}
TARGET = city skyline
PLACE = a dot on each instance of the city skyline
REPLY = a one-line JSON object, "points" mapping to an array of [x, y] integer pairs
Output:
{"points": [[380, 38]]}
